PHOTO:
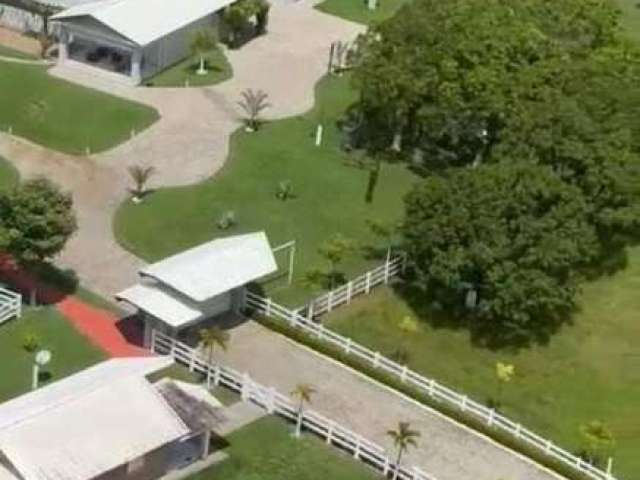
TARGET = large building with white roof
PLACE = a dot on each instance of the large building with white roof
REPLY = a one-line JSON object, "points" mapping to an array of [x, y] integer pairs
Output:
{"points": [[106, 422]]}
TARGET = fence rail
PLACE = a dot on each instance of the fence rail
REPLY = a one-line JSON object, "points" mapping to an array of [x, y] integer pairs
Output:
{"points": [[358, 286], [426, 385], [274, 402], [10, 305]]}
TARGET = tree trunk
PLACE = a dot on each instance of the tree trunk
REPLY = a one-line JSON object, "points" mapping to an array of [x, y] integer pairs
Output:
{"points": [[396, 471], [201, 69]]}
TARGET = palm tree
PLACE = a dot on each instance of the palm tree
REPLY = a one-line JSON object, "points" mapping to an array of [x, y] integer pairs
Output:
{"points": [[303, 392], [213, 337], [140, 175], [403, 438], [253, 103], [203, 41]]}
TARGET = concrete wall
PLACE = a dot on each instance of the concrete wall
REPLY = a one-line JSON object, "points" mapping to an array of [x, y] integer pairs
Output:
{"points": [[21, 20], [169, 50]]}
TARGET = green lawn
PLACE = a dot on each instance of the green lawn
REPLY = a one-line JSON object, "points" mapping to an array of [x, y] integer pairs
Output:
{"points": [[10, 52], [8, 174], [630, 17], [63, 116], [588, 371], [178, 75], [357, 10], [329, 195], [266, 450], [71, 351]]}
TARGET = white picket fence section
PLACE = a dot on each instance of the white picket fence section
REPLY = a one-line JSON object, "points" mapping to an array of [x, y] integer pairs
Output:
{"points": [[10, 305], [361, 285], [426, 385], [276, 403]]}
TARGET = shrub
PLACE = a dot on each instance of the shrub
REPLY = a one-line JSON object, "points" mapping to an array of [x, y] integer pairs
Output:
{"points": [[227, 220], [30, 342]]}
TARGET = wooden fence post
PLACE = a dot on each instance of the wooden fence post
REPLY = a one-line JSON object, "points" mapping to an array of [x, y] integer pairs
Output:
{"points": [[367, 286]]}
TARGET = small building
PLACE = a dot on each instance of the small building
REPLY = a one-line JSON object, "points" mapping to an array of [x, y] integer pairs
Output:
{"points": [[106, 422], [199, 284], [134, 38]]}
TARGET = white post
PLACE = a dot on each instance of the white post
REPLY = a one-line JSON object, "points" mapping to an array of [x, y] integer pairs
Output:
{"points": [[245, 391], [209, 378], [192, 362], [518, 430], [547, 447], [216, 376], [356, 452], [268, 311], [347, 347], [319, 135], [367, 287], [35, 376], [349, 289], [376, 360], [310, 311], [292, 255], [432, 387], [330, 433], [492, 414], [271, 400], [292, 318], [403, 375], [330, 301], [463, 403], [386, 271], [610, 468]]}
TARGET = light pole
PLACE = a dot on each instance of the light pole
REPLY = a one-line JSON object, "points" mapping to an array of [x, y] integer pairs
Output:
{"points": [[41, 359]]}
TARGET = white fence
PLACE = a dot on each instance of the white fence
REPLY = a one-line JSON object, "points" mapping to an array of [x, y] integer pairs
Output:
{"points": [[358, 286], [425, 385], [274, 402], [10, 305]]}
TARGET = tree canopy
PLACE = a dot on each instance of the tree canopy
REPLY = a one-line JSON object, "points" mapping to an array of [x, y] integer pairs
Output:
{"points": [[514, 234], [551, 88], [36, 220]]}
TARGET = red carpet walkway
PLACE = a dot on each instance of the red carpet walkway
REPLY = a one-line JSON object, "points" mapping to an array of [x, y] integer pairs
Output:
{"points": [[99, 326]]}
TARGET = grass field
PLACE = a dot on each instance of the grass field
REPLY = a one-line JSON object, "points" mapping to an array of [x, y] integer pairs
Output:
{"points": [[329, 195], [184, 73], [266, 450], [10, 52], [630, 17], [8, 174], [71, 351], [357, 10], [588, 371], [63, 116]]}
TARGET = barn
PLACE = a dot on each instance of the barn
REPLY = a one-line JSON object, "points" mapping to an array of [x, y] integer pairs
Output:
{"points": [[134, 38]]}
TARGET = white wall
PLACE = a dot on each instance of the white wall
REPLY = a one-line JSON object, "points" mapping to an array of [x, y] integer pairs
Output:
{"points": [[20, 20]]}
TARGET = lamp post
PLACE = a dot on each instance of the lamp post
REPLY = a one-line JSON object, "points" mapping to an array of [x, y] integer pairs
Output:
{"points": [[41, 359]]}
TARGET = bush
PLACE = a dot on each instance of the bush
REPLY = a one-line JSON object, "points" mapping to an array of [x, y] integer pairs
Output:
{"points": [[30, 342], [227, 220]]}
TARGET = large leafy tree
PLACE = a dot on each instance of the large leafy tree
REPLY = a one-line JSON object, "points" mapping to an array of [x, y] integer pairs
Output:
{"points": [[502, 244], [36, 220]]}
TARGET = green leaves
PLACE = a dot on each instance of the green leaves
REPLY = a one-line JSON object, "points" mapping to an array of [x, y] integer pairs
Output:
{"points": [[36, 219]]}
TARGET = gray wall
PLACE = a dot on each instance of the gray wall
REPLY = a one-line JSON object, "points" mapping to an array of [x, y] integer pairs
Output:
{"points": [[167, 51]]}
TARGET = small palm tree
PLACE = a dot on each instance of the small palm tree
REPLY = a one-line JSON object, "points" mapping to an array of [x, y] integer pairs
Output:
{"points": [[403, 438], [303, 392], [253, 103], [140, 175], [203, 41], [213, 337]]}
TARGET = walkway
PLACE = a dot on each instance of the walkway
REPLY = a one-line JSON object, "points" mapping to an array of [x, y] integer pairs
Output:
{"points": [[98, 325], [190, 141]]}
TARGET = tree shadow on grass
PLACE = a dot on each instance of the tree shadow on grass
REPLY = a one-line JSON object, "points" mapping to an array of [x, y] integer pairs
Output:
{"points": [[491, 335]]}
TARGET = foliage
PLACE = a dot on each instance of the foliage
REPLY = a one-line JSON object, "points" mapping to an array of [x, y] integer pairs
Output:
{"points": [[466, 83], [31, 342], [334, 251], [227, 220], [213, 337], [513, 233], [140, 175], [505, 372], [238, 15], [403, 437], [285, 190], [598, 440], [303, 393], [253, 103], [203, 40], [36, 220]]}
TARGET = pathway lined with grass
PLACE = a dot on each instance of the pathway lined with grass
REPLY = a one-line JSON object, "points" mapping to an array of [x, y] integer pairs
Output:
{"points": [[357, 10]]}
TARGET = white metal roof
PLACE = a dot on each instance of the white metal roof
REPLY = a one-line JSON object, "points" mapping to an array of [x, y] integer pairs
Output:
{"points": [[162, 303], [144, 21], [216, 267], [88, 423]]}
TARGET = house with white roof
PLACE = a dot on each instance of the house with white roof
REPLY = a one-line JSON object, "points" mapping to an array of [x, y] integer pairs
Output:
{"points": [[106, 422], [134, 38], [200, 283]]}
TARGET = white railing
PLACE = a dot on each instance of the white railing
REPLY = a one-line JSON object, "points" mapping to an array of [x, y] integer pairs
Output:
{"points": [[10, 305], [358, 286], [274, 402], [425, 385]]}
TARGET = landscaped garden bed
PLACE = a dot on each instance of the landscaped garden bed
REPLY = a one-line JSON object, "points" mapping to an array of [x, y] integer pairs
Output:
{"points": [[328, 197], [267, 450], [184, 73], [63, 116]]}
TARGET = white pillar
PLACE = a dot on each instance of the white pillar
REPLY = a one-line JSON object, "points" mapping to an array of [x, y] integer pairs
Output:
{"points": [[63, 51], [136, 66]]}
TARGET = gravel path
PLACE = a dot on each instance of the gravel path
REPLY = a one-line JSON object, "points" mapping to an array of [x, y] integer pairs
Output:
{"points": [[190, 143]]}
